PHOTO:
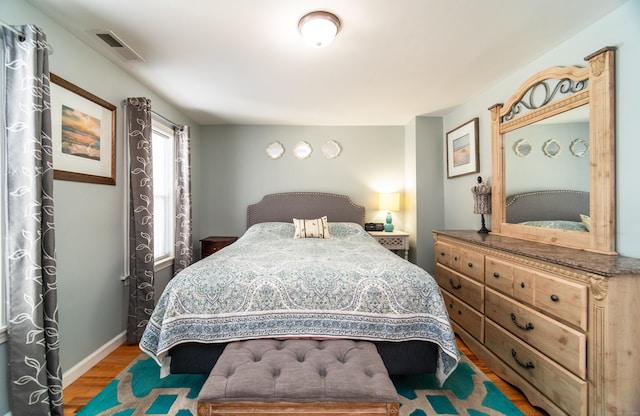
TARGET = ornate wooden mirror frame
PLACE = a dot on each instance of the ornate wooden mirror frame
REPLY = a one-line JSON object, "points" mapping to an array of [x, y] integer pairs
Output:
{"points": [[596, 88]]}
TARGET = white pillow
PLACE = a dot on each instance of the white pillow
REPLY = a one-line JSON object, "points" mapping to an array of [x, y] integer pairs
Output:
{"points": [[316, 228], [586, 220]]}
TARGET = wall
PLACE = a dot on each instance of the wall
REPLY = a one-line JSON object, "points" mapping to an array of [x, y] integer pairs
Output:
{"points": [[423, 184], [88, 217], [621, 29], [236, 171]]}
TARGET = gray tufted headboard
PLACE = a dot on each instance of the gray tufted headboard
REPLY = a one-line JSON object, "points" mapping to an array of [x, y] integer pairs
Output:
{"points": [[547, 206], [283, 207]]}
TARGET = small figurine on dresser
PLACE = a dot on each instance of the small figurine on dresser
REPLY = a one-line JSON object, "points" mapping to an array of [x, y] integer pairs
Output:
{"points": [[482, 202]]}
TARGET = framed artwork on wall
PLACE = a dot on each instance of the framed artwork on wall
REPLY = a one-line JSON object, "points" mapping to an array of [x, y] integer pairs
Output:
{"points": [[463, 157], [83, 129]]}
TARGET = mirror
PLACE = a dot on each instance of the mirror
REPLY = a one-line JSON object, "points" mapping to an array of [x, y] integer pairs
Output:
{"points": [[551, 148], [302, 150], [522, 148], [274, 150], [331, 149], [553, 158], [579, 148], [539, 160]]}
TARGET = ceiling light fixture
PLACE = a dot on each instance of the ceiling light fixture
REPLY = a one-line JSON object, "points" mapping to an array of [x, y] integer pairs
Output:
{"points": [[318, 29]]}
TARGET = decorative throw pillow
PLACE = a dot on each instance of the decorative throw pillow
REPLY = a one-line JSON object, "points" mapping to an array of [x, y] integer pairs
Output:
{"points": [[316, 228], [586, 220]]}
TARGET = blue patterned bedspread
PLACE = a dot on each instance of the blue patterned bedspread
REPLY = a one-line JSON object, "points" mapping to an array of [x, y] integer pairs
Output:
{"points": [[268, 284]]}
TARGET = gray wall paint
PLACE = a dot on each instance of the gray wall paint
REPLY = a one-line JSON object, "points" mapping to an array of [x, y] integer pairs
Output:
{"points": [[621, 29], [236, 171], [89, 218], [430, 210], [423, 186]]}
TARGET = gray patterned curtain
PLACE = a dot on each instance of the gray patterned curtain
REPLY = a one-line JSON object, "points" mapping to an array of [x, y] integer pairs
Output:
{"points": [[183, 245], [141, 288], [32, 327]]}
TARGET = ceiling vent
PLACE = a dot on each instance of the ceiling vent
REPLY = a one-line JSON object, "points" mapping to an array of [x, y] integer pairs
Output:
{"points": [[117, 45]]}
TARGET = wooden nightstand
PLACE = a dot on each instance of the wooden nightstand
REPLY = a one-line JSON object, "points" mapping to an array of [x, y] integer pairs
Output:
{"points": [[212, 244], [393, 240]]}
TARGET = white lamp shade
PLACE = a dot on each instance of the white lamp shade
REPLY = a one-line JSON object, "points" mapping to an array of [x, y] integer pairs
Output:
{"points": [[318, 29], [390, 202]]}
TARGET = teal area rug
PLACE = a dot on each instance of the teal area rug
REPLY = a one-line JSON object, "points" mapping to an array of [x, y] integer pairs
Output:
{"points": [[139, 390]]}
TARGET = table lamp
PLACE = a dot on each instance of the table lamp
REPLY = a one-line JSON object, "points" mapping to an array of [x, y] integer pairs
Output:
{"points": [[389, 202]]}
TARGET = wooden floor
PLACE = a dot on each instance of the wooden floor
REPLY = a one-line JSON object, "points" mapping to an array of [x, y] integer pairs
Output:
{"points": [[93, 381]]}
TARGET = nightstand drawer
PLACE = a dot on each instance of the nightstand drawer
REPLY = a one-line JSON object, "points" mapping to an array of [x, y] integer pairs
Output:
{"points": [[212, 244], [393, 240]]}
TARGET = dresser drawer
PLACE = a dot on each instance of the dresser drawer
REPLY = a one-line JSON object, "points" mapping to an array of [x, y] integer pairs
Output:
{"points": [[465, 316], [472, 264], [441, 252], [524, 284], [563, 344], [445, 254], [468, 262], [566, 390], [460, 286], [499, 275], [562, 298]]}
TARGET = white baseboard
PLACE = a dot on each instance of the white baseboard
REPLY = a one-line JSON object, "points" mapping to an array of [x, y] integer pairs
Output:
{"points": [[85, 365]]}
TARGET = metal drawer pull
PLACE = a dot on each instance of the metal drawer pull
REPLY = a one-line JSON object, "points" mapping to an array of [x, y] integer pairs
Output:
{"points": [[522, 285], [528, 365], [555, 298], [470, 265], [496, 275], [527, 327], [456, 287]]}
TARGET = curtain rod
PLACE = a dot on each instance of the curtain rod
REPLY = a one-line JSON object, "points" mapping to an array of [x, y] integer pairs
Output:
{"points": [[160, 116], [22, 36]]}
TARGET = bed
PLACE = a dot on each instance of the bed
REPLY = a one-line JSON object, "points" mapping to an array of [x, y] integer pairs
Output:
{"points": [[269, 284], [562, 209]]}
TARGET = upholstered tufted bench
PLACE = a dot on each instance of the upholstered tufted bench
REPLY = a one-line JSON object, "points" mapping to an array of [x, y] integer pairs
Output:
{"points": [[299, 377]]}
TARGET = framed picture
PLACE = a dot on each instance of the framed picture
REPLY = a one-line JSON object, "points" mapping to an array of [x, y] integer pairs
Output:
{"points": [[83, 129], [463, 157]]}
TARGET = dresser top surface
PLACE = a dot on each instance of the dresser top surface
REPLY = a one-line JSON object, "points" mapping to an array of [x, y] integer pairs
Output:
{"points": [[601, 264]]}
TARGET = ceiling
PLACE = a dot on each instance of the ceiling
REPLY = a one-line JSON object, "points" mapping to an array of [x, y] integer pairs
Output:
{"points": [[243, 61]]}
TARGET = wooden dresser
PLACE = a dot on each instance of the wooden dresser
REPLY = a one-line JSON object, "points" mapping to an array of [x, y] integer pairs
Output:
{"points": [[563, 325]]}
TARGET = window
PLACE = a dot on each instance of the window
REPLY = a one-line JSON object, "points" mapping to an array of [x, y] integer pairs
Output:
{"points": [[162, 143]]}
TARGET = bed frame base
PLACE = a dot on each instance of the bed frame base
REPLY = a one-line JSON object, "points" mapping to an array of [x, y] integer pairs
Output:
{"points": [[400, 358]]}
